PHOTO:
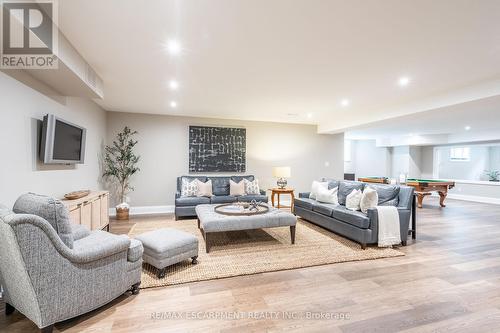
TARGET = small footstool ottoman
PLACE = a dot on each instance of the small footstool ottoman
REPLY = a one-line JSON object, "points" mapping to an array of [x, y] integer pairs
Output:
{"points": [[165, 247]]}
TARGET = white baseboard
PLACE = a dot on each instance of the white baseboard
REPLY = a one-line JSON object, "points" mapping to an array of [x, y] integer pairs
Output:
{"points": [[146, 210], [473, 198]]}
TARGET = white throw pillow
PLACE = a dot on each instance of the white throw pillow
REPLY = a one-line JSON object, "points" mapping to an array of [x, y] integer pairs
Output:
{"points": [[369, 199], [189, 188], [236, 188], [353, 199], [205, 189], [328, 196], [252, 187], [315, 187]]}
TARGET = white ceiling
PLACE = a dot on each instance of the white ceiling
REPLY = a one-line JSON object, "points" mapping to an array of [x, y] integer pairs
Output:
{"points": [[279, 60]]}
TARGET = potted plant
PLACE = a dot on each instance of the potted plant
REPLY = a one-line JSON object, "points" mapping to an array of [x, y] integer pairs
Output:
{"points": [[494, 175], [120, 164]]}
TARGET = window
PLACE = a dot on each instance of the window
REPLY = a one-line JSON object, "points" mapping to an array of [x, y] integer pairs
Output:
{"points": [[347, 151], [460, 154]]}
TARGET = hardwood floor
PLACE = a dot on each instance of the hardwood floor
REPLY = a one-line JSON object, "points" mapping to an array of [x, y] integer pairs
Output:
{"points": [[448, 281]]}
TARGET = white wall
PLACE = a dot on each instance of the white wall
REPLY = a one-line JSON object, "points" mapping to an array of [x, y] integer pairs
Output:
{"points": [[427, 162], [464, 170], [163, 146], [369, 160], [20, 171], [414, 162], [400, 161]]}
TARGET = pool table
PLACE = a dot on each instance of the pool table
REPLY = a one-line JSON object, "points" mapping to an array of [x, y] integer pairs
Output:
{"points": [[377, 180], [424, 187]]}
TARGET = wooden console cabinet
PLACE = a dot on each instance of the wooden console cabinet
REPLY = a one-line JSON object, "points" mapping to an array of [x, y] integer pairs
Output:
{"points": [[91, 210]]}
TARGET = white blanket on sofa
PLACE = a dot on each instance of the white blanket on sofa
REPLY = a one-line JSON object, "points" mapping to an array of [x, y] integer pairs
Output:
{"points": [[388, 226]]}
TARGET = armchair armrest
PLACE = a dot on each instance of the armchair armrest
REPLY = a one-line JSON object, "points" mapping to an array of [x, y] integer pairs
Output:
{"points": [[262, 192], [98, 245], [177, 194], [304, 194]]}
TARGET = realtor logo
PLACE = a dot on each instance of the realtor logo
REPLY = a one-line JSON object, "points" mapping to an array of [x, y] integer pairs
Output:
{"points": [[29, 34]]}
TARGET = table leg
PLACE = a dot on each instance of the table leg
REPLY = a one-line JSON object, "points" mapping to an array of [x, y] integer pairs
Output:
{"points": [[272, 198], [278, 200], [442, 196], [292, 195], [420, 197], [414, 218], [207, 242]]}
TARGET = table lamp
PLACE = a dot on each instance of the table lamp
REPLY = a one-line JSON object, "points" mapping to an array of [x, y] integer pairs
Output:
{"points": [[281, 173]]}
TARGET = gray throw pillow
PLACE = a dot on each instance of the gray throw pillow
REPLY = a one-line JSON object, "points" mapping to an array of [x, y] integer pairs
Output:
{"points": [[50, 209]]}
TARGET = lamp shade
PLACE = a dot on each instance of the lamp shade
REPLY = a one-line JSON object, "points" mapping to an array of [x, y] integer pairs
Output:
{"points": [[281, 172]]}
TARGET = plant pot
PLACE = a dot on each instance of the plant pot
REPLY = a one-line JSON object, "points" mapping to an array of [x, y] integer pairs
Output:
{"points": [[122, 213]]}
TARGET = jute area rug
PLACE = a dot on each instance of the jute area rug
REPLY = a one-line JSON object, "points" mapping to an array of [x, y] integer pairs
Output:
{"points": [[255, 251]]}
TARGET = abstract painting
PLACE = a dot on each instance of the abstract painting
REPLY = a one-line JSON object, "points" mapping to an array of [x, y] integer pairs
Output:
{"points": [[217, 149]]}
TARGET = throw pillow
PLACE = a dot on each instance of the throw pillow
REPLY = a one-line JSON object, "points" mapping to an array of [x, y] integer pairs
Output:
{"points": [[369, 199], [189, 188], [52, 210], [252, 187], [315, 188], [204, 189], [353, 199], [328, 196], [236, 189]]}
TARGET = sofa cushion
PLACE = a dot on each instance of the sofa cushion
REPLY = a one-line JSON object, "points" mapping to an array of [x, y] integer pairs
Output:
{"points": [[346, 187], [332, 183], [369, 199], [135, 250], [190, 179], [79, 231], [324, 208], [191, 201], [353, 200], [388, 195], [328, 196], [220, 185], [256, 197], [238, 179], [205, 189], [236, 189], [305, 203], [354, 218], [52, 210], [219, 199], [251, 187]]}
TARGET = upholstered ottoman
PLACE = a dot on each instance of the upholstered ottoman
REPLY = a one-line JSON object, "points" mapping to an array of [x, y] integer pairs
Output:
{"points": [[165, 247]]}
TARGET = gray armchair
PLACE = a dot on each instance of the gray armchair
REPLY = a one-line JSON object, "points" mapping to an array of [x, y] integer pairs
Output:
{"points": [[50, 280]]}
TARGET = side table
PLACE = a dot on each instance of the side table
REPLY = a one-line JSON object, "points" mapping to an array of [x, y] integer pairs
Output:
{"points": [[279, 191]]}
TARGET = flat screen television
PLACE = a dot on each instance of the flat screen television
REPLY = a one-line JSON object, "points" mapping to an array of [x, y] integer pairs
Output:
{"points": [[62, 142]]}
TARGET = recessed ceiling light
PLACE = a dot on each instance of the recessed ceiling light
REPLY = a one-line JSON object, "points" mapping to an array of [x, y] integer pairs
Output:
{"points": [[309, 115], [345, 102], [467, 128], [173, 104], [173, 47], [173, 84], [403, 81]]}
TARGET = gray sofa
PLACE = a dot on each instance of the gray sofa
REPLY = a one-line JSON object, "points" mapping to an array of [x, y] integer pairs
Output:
{"points": [[355, 225], [185, 206], [52, 270]]}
